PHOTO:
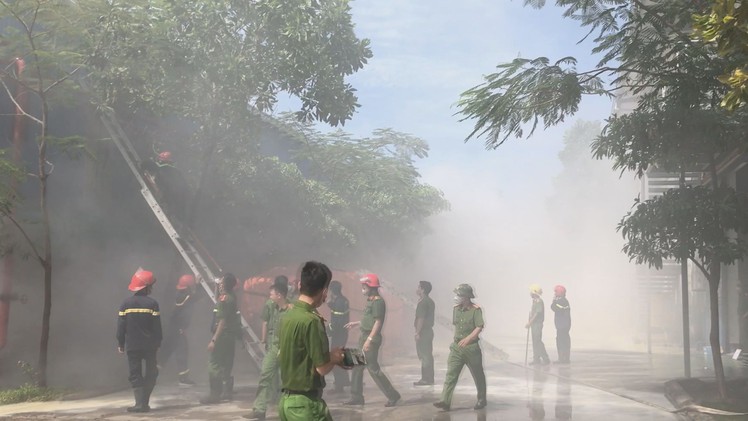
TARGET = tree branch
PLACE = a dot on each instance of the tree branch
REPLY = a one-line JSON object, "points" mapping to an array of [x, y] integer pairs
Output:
{"points": [[23, 232]]}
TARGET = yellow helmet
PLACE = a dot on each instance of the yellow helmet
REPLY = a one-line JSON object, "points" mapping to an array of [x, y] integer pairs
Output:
{"points": [[535, 289]]}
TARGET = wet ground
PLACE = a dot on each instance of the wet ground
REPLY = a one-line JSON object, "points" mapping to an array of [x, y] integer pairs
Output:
{"points": [[598, 385]]}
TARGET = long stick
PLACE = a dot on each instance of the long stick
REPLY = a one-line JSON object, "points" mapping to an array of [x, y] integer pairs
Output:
{"points": [[527, 345]]}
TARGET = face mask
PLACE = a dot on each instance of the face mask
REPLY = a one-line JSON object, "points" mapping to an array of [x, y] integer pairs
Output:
{"points": [[458, 299]]}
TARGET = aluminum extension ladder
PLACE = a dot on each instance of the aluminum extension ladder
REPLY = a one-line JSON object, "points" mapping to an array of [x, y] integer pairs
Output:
{"points": [[186, 249]]}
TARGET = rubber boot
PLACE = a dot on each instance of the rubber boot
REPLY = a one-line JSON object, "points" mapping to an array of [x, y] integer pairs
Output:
{"points": [[138, 392], [215, 392], [147, 390], [228, 389]]}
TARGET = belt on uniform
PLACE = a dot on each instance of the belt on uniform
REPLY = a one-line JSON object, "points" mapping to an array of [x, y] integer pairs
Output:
{"points": [[311, 394]]}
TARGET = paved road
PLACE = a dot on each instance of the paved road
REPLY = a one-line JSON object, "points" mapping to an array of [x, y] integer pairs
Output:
{"points": [[597, 386]]}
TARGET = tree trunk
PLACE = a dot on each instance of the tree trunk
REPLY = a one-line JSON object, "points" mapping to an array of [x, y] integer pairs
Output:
{"points": [[719, 371], [47, 250]]}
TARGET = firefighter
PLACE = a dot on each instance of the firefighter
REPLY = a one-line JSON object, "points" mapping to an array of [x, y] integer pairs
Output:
{"points": [[339, 317], [268, 384], [535, 324], [562, 320], [139, 334], [424, 326], [226, 329], [370, 341], [467, 317], [305, 356], [170, 184], [176, 334]]}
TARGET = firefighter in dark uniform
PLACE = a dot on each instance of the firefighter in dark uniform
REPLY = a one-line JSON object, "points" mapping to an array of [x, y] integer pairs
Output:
{"points": [[175, 340], [467, 318], [223, 343], [171, 185], [562, 320], [305, 356], [269, 374], [139, 334], [370, 341], [535, 324], [424, 326], [339, 317]]}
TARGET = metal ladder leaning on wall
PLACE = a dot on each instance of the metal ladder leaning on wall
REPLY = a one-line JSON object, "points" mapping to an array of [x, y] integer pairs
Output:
{"points": [[186, 249]]}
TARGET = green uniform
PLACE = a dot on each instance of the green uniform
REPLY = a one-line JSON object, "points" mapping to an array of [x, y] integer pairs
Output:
{"points": [[267, 387], [269, 311], [465, 321], [375, 310], [303, 347], [221, 360], [425, 341]]}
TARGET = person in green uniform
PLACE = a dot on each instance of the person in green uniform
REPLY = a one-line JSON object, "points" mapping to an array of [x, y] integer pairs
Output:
{"points": [[467, 317], [535, 324], [266, 387], [370, 341], [269, 311], [305, 356], [424, 326], [222, 345]]}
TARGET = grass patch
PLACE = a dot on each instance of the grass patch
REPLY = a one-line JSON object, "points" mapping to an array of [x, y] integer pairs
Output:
{"points": [[28, 393]]}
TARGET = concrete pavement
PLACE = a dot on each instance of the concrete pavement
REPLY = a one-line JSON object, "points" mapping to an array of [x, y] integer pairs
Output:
{"points": [[598, 385]]}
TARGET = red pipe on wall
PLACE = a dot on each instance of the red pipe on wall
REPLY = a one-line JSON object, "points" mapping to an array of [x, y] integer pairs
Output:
{"points": [[6, 275]]}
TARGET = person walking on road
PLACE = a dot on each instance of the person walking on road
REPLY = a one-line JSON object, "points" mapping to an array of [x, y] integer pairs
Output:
{"points": [[139, 334], [562, 319], [424, 335], [535, 324], [467, 318], [370, 341], [266, 387], [305, 356]]}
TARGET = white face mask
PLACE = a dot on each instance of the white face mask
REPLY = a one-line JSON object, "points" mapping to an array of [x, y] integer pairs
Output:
{"points": [[458, 299]]}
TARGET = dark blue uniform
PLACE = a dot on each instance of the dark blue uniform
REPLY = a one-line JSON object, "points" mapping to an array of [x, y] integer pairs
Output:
{"points": [[139, 334]]}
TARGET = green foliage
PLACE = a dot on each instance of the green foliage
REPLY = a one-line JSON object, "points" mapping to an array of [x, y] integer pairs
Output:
{"points": [[726, 26], [28, 392], [336, 187], [209, 60], [525, 91], [693, 222], [642, 49]]}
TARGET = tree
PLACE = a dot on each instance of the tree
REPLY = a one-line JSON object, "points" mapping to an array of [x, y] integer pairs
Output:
{"points": [[676, 125], [726, 26], [42, 34], [333, 191]]}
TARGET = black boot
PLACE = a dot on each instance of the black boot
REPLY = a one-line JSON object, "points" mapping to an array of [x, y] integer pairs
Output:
{"points": [[228, 389], [147, 390], [215, 392], [138, 392]]}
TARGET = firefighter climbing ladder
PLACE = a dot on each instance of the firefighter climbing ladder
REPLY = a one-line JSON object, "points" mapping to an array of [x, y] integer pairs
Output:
{"points": [[189, 253]]}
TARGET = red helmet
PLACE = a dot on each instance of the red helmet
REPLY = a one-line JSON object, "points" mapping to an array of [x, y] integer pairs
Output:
{"points": [[186, 281], [560, 290], [141, 279], [370, 280], [164, 156]]}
